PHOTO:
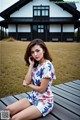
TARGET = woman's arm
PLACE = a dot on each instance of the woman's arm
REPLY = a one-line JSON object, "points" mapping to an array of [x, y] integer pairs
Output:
{"points": [[28, 75], [40, 88]]}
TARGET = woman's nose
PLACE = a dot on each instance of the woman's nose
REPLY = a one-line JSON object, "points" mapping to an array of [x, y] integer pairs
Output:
{"points": [[35, 53]]}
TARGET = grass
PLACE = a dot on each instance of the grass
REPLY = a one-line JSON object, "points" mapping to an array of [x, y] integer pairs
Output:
{"points": [[66, 60]]}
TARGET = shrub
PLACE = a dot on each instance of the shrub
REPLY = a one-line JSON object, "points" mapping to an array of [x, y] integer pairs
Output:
{"points": [[9, 39]]}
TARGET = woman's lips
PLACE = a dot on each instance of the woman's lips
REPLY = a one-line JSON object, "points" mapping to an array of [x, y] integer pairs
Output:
{"points": [[36, 57]]}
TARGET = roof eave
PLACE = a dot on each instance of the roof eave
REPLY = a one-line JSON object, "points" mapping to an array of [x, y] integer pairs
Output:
{"points": [[6, 13], [70, 9]]}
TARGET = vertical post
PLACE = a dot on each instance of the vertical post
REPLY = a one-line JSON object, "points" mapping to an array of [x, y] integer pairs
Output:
{"points": [[1, 33], [16, 31], [5, 32], [46, 32], [31, 32], [78, 35], [62, 33]]}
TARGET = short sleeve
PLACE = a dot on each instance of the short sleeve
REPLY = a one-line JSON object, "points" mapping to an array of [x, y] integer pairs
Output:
{"points": [[48, 71]]}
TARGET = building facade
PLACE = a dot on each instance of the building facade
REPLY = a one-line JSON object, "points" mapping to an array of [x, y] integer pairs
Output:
{"points": [[45, 19]]}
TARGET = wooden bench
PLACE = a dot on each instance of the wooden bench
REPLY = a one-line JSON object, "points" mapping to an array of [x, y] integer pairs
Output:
{"points": [[67, 101]]}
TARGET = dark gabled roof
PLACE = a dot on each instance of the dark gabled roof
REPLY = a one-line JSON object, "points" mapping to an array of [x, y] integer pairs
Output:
{"points": [[72, 4], [6, 13], [70, 7]]}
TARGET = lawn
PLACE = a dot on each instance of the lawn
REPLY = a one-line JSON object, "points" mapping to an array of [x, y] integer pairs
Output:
{"points": [[66, 60]]}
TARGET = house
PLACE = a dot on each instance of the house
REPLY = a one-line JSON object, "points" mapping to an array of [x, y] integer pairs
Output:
{"points": [[45, 19]]}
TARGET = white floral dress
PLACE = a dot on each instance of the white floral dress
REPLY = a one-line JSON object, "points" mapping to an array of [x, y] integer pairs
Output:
{"points": [[43, 101]]}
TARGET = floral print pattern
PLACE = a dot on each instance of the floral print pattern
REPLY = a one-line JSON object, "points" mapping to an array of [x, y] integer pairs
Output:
{"points": [[43, 101]]}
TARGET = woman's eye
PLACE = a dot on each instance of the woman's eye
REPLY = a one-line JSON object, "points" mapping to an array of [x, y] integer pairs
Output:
{"points": [[32, 52], [37, 50]]}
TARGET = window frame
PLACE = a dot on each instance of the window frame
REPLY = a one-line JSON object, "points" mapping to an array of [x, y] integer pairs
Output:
{"points": [[41, 11], [40, 28]]}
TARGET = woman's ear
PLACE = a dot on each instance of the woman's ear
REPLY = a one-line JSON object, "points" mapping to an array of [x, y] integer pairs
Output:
{"points": [[43, 51]]}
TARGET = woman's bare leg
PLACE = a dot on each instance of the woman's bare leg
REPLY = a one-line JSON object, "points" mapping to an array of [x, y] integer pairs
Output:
{"points": [[18, 106], [29, 113], [23, 110]]}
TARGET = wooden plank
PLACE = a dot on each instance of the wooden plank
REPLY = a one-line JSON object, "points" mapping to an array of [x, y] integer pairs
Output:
{"points": [[68, 89], [66, 95], [71, 84], [67, 104], [2, 106], [77, 82], [63, 114], [48, 117], [8, 100], [20, 96]]}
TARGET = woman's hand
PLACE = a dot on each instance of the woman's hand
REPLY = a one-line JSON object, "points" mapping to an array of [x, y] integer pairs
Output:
{"points": [[31, 60], [25, 83]]}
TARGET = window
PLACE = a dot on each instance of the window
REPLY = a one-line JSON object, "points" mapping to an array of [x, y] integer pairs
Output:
{"points": [[35, 28], [40, 28], [41, 10]]}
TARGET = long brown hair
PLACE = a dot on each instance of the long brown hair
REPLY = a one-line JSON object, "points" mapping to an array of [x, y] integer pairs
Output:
{"points": [[42, 45]]}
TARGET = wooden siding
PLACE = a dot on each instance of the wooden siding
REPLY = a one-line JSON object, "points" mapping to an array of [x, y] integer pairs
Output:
{"points": [[20, 36], [54, 37]]}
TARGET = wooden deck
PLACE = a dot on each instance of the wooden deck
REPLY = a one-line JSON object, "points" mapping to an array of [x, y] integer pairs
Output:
{"points": [[67, 101]]}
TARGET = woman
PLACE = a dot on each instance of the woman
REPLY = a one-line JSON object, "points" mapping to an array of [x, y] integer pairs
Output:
{"points": [[39, 77]]}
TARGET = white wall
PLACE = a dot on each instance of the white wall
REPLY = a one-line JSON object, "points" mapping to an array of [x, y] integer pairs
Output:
{"points": [[11, 28], [24, 28], [55, 28], [21, 28], [27, 10], [68, 28]]}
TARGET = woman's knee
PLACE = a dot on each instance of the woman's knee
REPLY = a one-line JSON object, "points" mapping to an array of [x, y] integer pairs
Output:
{"points": [[10, 109]]}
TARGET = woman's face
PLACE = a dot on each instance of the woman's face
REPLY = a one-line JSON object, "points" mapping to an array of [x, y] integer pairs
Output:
{"points": [[37, 52]]}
